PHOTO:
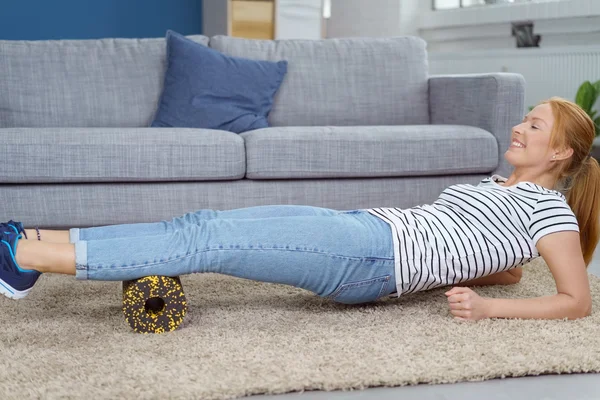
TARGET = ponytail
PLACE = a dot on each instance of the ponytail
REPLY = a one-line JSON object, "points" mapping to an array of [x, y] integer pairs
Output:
{"points": [[579, 175], [584, 199]]}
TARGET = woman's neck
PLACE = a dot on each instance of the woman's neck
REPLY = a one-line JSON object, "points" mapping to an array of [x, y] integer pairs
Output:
{"points": [[545, 180]]}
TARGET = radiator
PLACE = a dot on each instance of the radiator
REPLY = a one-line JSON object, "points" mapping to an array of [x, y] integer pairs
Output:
{"points": [[548, 72]]}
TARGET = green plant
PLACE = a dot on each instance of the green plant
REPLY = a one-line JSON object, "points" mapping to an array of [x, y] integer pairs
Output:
{"points": [[586, 97]]}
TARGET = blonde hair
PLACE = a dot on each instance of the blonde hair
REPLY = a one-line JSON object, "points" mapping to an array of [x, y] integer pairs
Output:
{"points": [[579, 175]]}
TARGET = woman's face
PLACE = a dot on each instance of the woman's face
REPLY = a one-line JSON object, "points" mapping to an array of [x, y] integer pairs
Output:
{"points": [[530, 139]]}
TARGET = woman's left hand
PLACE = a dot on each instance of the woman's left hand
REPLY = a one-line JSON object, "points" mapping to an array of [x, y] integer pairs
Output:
{"points": [[466, 305]]}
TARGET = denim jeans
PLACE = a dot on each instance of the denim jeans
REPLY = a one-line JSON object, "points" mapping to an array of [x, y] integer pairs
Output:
{"points": [[346, 256]]}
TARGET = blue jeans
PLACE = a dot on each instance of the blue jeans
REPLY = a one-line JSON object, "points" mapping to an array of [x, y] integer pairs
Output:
{"points": [[346, 256]]}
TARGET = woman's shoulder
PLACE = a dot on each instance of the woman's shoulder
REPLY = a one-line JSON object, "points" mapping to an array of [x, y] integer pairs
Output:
{"points": [[546, 194], [551, 203]]}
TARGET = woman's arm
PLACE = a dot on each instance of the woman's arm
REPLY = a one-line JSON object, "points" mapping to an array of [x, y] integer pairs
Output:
{"points": [[562, 253], [509, 277]]}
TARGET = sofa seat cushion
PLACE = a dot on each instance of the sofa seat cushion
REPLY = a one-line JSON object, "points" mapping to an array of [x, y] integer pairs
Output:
{"points": [[49, 155], [368, 151]]}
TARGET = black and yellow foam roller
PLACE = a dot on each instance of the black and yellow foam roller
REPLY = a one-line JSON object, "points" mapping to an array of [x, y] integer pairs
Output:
{"points": [[154, 304]]}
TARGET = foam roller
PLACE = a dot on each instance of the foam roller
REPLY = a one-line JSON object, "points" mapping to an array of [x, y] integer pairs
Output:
{"points": [[154, 304]]}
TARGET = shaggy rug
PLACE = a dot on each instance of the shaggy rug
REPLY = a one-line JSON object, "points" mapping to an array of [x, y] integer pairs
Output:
{"points": [[69, 339]]}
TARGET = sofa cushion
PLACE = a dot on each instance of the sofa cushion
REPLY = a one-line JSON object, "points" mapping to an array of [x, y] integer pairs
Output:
{"points": [[45, 155], [343, 82], [205, 88], [368, 151], [81, 83]]}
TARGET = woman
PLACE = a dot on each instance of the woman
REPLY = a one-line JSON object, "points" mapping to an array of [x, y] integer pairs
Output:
{"points": [[471, 235]]}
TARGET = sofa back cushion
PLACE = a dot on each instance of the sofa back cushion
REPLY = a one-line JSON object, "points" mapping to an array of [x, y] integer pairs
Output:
{"points": [[81, 83], [350, 81]]}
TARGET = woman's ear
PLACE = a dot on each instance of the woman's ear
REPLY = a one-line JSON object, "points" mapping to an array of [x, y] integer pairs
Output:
{"points": [[563, 155]]}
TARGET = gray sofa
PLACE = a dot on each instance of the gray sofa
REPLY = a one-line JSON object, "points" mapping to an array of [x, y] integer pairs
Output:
{"points": [[357, 123]]}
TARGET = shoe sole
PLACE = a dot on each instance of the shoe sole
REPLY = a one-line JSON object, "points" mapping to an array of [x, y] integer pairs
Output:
{"points": [[11, 293]]}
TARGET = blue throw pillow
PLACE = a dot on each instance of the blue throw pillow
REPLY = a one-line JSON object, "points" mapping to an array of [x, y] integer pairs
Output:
{"points": [[204, 88]]}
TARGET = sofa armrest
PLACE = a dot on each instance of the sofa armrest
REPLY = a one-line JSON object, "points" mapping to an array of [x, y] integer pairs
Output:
{"points": [[494, 102]]}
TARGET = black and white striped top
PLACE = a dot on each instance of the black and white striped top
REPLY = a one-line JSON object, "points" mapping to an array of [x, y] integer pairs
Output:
{"points": [[472, 231]]}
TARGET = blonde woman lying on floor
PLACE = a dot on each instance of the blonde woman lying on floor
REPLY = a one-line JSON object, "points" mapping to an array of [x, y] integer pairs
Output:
{"points": [[471, 235]]}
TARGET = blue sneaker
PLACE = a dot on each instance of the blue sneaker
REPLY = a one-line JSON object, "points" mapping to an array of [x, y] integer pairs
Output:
{"points": [[15, 282], [12, 225]]}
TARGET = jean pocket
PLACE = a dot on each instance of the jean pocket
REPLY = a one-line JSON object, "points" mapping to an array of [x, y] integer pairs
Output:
{"points": [[361, 291]]}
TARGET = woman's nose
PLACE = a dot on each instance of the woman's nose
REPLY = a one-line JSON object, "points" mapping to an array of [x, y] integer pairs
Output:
{"points": [[517, 129]]}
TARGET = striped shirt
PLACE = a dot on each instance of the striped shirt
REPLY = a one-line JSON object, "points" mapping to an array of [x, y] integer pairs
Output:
{"points": [[472, 231]]}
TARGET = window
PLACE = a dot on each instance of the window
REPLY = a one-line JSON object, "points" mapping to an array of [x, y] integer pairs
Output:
{"points": [[451, 4]]}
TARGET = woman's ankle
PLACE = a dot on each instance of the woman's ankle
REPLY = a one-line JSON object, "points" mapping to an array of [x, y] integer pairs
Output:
{"points": [[46, 257], [48, 236], [31, 234]]}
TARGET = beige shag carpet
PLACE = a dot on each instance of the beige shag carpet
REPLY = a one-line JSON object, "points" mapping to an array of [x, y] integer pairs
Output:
{"points": [[69, 339]]}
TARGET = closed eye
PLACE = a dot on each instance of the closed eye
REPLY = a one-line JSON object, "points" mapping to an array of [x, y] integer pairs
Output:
{"points": [[536, 127], [533, 126]]}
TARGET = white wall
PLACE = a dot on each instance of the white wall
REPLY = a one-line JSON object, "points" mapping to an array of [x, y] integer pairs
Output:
{"points": [[410, 10], [299, 19], [373, 18], [560, 22]]}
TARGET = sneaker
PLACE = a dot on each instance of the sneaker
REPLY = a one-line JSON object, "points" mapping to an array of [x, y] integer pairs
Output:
{"points": [[15, 282], [15, 226]]}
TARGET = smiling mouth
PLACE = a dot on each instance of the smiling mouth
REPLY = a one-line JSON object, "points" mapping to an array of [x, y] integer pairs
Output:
{"points": [[516, 143]]}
